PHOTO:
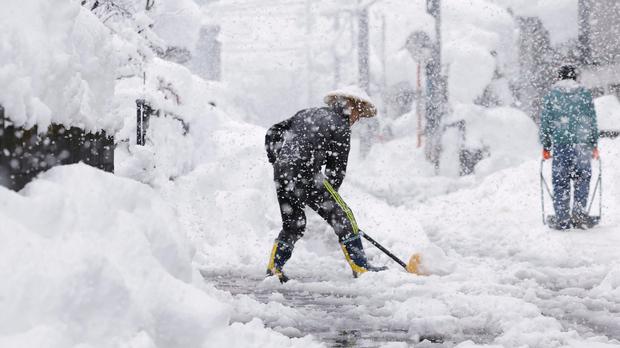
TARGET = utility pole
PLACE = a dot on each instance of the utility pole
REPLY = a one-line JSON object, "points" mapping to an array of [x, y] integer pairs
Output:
{"points": [[420, 47], [418, 104], [383, 65], [337, 60], [584, 44], [363, 50], [370, 127], [308, 49], [437, 95]]}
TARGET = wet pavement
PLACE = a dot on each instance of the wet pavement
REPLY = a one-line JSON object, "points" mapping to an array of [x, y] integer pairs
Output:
{"points": [[334, 318]]}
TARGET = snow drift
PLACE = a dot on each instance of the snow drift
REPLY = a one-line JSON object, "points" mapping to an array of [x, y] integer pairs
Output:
{"points": [[88, 258], [92, 258]]}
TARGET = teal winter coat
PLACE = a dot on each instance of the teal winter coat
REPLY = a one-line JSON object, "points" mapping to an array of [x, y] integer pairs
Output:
{"points": [[568, 116]]}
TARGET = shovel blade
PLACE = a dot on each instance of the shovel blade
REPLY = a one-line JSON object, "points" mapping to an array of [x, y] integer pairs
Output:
{"points": [[413, 266]]}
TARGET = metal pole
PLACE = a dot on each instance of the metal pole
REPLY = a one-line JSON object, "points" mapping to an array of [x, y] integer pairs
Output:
{"points": [[363, 54], [584, 44], [542, 193], [1, 120], [337, 62], [309, 65], [383, 64], [143, 112], [364, 78], [418, 104], [436, 91]]}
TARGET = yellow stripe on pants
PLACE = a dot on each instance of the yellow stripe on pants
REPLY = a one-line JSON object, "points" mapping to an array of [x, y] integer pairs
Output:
{"points": [[342, 205]]}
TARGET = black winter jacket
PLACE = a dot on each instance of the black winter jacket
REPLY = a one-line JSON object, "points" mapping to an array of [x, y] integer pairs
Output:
{"points": [[309, 140]]}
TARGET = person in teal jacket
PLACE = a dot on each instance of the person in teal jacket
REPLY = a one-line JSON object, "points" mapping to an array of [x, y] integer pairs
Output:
{"points": [[569, 134]]}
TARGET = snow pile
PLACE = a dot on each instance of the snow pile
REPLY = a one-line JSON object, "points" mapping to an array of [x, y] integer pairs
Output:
{"points": [[88, 258], [57, 64], [181, 134], [92, 258], [610, 286], [398, 171], [231, 198], [507, 135]]}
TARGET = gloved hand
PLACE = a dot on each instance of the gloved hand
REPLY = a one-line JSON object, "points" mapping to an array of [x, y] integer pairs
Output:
{"points": [[546, 154], [595, 154]]}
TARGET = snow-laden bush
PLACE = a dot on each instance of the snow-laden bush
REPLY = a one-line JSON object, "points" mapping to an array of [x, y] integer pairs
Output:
{"points": [[57, 64]]}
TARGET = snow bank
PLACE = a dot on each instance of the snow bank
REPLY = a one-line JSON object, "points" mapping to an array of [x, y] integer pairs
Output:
{"points": [[88, 258], [397, 170], [95, 259], [182, 136], [235, 198], [507, 134], [57, 64]]}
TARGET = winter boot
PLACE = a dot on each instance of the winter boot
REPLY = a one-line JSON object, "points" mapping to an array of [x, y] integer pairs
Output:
{"points": [[579, 220], [554, 223], [356, 257], [280, 253]]}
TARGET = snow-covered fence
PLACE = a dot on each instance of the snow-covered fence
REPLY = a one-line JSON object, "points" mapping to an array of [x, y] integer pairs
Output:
{"points": [[27, 152]]}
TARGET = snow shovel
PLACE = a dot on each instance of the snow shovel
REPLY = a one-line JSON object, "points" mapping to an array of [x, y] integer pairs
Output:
{"points": [[414, 261], [592, 220]]}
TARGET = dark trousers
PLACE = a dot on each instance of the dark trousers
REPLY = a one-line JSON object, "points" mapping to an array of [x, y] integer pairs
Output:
{"points": [[570, 163], [294, 193]]}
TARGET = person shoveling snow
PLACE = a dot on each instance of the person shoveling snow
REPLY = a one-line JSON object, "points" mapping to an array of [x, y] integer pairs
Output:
{"points": [[298, 148], [569, 131]]}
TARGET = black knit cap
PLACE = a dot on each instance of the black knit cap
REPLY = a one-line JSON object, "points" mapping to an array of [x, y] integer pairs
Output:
{"points": [[567, 72]]}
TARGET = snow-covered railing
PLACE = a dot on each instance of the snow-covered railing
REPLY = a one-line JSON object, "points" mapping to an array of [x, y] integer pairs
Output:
{"points": [[24, 153]]}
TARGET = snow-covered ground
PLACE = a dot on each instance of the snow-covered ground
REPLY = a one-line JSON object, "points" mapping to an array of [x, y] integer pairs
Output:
{"points": [[499, 276], [91, 258]]}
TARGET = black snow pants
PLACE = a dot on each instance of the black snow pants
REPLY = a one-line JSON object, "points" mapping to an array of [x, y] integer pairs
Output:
{"points": [[295, 191]]}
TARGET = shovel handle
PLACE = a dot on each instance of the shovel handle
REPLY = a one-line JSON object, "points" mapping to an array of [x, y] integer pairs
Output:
{"points": [[387, 252]]}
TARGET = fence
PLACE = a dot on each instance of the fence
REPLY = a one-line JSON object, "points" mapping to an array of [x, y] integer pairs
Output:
{"points": [[24, 153]]}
